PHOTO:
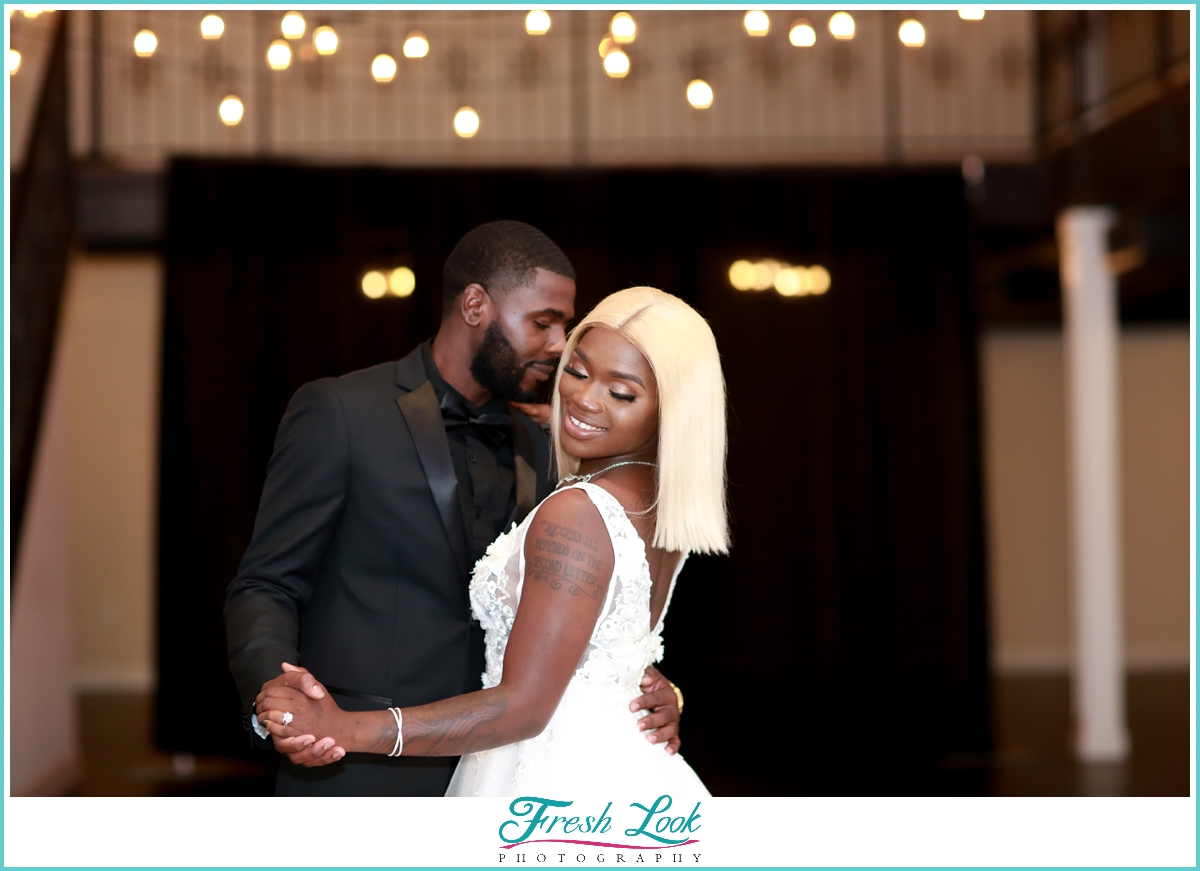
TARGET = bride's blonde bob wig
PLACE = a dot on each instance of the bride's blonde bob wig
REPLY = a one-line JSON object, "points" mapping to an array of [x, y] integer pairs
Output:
{"points": [[681, 350]]}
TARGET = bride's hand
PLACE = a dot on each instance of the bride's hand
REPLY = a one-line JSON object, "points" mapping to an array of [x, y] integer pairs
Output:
{"points": [[308, 717]]}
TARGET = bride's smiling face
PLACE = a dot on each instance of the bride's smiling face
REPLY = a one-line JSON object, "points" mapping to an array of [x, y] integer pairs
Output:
{"points": [[609, 399]]}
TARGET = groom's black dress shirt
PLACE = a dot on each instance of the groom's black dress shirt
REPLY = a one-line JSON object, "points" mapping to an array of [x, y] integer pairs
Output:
{"points": [[483, 463]]}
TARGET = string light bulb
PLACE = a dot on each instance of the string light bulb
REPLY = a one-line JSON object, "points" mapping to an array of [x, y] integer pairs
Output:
{"points": [[32, 12], [623, 28], [741, 275], [416, 44], [231, 111], [145, 43], [757, 22], [383, 68], [802, 34], [325, 40], [537, 22], [292, 26], [606, 45], [699, 94], [14, 61], [374, 284], [212, 26], [466, 122], [841, 25], [972, 13], [912, 33], [279, 55], [402, 281], [616, 64]]}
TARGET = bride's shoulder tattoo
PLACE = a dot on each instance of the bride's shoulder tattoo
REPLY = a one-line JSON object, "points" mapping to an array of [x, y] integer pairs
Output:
{"points": [[567, 558]]}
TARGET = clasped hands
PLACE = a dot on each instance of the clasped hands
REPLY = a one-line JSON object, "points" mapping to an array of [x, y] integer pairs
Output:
{"points": [[314, 712]]}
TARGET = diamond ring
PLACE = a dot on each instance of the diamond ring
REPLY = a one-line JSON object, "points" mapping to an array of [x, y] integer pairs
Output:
{"points": [[287, 717]]}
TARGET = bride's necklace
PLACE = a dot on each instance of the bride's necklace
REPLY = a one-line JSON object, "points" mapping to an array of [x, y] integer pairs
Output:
{"points": [[583, 479]]}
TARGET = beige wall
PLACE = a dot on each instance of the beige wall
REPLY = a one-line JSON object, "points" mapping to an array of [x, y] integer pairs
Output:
{"points": [[110, 360], [1025, 483]]}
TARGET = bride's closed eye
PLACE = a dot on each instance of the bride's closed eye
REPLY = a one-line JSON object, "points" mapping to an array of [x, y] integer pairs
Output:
{"points": [[571, 370]]}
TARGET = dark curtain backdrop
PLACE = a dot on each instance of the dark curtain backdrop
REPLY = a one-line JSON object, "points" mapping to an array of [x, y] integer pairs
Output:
{"points": [[841, 648]]}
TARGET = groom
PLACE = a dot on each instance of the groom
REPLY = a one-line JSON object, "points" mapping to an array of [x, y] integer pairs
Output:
{"points": [[385, 487]]}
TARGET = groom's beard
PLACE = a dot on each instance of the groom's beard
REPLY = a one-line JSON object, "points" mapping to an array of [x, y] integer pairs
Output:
{"points": [[497, 367]]}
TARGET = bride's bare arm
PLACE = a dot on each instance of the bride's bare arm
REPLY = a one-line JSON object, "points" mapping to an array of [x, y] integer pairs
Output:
{"points": [[568, 566]]}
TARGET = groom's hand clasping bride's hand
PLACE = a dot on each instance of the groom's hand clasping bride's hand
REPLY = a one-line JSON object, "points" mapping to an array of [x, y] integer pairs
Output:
{"points": [[658, 697], [304, 750]]}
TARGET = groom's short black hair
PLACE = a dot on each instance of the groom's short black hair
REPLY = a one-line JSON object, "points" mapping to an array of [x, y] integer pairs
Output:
{"points": [[499, 256]]}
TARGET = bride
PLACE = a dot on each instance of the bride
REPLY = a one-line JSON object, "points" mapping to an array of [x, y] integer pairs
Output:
{"points": [[573, 599]]}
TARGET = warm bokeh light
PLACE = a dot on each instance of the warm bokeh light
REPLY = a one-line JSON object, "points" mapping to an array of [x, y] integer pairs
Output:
{"points": [[145, 43], [416, 44], [279, 55], [912, 33], [623, 28], [741, 275], [374, 284], [972, 13], [699, 94], [789, 280], [325, 40], [292, 25], [757, 22], [33, 11], [802, 34], [817, 280], [537, 22], [764, 274], [402, 281], [616, 64], [14, 61], [466, 122], [212, 26], [231, 110], [383, 68], [606, 45], [841, 25]]}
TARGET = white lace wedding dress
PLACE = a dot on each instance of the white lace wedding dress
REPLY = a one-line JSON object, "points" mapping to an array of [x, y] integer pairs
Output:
{"points": [[592, 745]]}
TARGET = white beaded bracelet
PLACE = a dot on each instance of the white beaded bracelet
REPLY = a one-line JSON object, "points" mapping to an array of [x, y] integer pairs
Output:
{"points": [[399, 732]]}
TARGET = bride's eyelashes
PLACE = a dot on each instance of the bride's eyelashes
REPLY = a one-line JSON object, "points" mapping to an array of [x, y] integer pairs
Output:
{"points": [[582, 376]]}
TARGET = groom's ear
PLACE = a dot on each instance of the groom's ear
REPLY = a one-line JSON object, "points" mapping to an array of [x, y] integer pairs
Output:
{"points": [[474, 303]]}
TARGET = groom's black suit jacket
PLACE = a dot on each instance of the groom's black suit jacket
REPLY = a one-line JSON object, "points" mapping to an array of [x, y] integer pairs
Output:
{"points": [[358, 567]]}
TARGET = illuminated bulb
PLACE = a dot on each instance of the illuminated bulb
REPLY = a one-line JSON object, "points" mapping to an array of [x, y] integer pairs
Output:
{"points": [[466, 122], [537, 22], [374, 284], [231, 110], [402, 281], [764, 274], [383, 68], [757, 23], [14, 61], [802, 34], [606, 45], [972, 13], [841, 25], [790, 281], [912, 33], [416, 45], [279, 55], [741, 275], [212, 26], [699, 94], [623, 28], [817, 280], [616, 64], [292, 25], [144, 43], [325, 40]]}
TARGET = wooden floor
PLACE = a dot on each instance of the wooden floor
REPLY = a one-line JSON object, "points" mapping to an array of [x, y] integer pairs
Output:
{"points": [[1032, 756]]}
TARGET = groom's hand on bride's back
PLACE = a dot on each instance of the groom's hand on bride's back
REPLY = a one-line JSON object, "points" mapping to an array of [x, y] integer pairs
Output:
{"points": [[304, 750], [658, 697]]}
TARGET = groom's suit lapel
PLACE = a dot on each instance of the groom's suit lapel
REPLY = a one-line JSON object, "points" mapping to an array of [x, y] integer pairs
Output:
{"points": [[419, 406]]}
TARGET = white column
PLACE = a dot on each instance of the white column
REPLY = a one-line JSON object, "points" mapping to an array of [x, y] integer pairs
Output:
{"points": [[1090, 339]]}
